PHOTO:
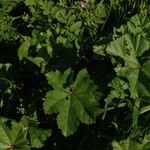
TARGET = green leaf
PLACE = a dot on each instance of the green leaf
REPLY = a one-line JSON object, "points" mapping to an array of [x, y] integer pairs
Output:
{"points": [[117, 48], [19, 137], [62, 40], [39, 61], [100, 10], [37, 135], [129, 48], [118, 90], [24, 48], [138, 24], [99, 50], [71, 18], [57, 79], [61, 15], [131, 145], [13, 138], [5, 66], [74, 103], [144, 79], [5, 71], [76, 26], [144, 109], [5, 140], [118, 87], [30, 2], [6, 78], [138, 43], [46, 6], [120, 146]]}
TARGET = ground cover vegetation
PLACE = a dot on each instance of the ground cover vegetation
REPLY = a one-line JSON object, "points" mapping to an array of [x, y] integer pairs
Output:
{"points": [[74, 75]]}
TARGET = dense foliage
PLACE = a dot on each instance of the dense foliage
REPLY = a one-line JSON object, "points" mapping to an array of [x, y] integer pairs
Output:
{"points": [[75, 74]]}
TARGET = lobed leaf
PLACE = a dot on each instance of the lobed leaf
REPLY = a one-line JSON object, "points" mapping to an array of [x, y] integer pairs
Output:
{"points": [[74, 104]]}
